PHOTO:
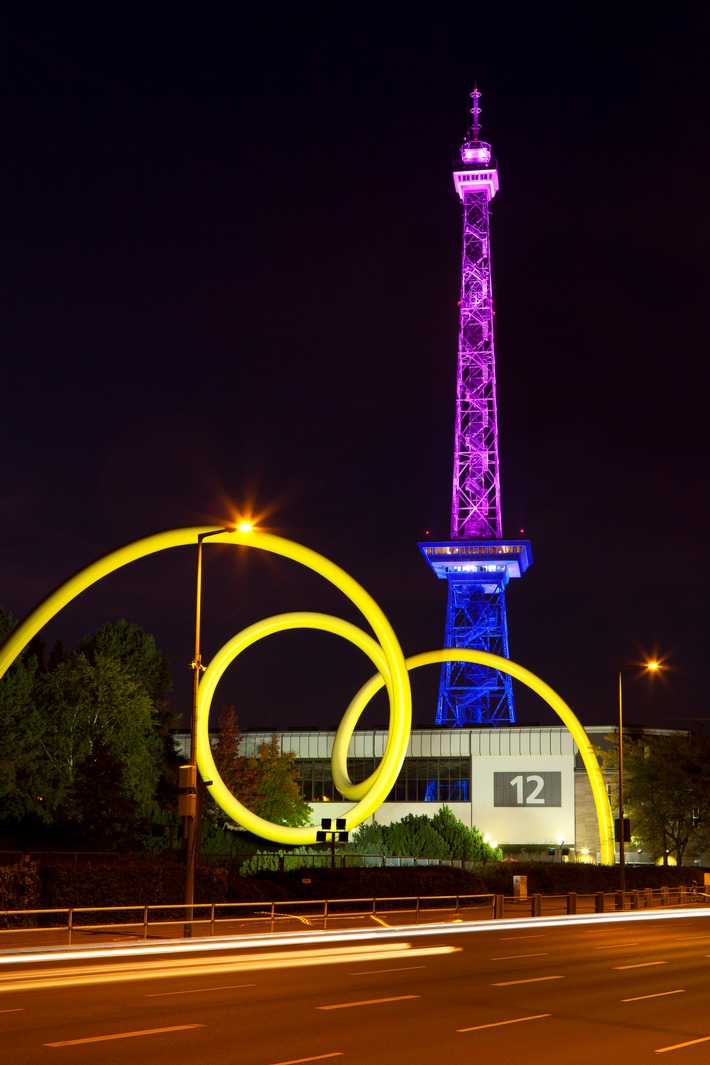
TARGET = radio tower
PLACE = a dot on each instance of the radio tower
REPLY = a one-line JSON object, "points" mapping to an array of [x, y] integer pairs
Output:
{"points": [[476, 561]]}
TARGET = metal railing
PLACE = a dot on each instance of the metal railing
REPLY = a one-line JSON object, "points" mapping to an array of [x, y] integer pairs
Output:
{"points": [[167, 920]]}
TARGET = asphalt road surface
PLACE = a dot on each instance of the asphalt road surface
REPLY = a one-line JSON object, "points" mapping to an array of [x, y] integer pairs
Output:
{"points": [[625, 989]]}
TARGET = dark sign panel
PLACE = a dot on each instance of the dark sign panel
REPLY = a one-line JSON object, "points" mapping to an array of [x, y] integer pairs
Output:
{"points": [[527, 789]]}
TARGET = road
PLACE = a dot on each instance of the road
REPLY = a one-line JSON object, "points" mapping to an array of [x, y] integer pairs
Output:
{"points": [[624, 988]]}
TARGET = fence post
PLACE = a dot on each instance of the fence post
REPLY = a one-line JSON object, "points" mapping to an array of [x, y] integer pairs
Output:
{"points": [[635, 900], [648, 897], [212, 919], [498, 907], [273, 915], [536, 906], [599, 902], [682, 894], [70, 923], [418, 900], [145, 922], [325, 913], [572, 902], [620, 900], [665, 896]]}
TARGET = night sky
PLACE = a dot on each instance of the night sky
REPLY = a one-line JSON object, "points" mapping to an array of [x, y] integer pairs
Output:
{"points": [[230, 268]]}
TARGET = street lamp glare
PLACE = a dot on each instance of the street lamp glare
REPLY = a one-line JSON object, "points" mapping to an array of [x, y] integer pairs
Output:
{"points": [[244, 527], [653, 665]]}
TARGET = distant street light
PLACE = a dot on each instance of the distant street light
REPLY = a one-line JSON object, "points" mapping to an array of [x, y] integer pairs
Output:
{"points": [[650, 667]]}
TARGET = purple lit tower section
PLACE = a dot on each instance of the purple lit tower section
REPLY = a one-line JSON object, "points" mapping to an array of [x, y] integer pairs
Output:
{"points": [[476, 562]]}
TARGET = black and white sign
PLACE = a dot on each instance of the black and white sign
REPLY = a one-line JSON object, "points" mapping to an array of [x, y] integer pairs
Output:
{"points": [[527, 789]]}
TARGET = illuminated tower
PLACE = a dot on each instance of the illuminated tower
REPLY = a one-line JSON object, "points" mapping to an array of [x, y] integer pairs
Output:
{"points": [[476, 561]]}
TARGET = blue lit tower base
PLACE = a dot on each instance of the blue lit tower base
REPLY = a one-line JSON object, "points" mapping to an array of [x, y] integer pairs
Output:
{"points": [[477, 572]]}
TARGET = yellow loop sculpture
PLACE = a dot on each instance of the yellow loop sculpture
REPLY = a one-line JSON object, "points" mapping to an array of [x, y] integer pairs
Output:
{"points": [[384, 652]]}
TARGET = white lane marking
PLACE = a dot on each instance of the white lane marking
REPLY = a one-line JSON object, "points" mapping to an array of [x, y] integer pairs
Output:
{"points": [[515, 957], [122, 1035], [197, 990], [497, 1024], [618, 946], [510, 939], [530, 980], [316, 1057], [658, 994], [366, 1002], [17, 1009], [400, 969], [678, 1046], [641, 965]]}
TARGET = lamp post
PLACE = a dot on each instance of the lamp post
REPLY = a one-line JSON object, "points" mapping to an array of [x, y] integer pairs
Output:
{"points": [[188, 773], [652, 667]]}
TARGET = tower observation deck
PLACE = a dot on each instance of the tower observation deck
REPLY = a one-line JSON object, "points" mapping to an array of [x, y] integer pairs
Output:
{"points": [[476, 562]]}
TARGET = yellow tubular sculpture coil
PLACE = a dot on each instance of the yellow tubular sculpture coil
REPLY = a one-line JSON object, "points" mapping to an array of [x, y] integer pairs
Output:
{"points": [[383, 651]]}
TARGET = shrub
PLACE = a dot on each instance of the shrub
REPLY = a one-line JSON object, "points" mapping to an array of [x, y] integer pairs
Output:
{"points": [[19, 890]]}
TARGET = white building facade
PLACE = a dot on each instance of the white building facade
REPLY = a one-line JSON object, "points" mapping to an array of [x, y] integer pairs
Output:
{"points": [[519, 785]]}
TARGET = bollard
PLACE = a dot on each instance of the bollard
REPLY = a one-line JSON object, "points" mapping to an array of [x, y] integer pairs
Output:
{"points": [[536, 909], [572, 902], [498, 907]]}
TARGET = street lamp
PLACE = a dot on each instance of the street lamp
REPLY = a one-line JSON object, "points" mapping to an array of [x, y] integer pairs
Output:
{"points": [[188, 804], [650, 667]]}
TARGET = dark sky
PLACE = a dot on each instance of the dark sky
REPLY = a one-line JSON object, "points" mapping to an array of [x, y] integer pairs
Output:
{"points": [[230, 268]]}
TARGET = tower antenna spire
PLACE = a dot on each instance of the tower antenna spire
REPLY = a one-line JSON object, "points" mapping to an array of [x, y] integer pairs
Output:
{"points": [[474, 151], [475, 111]]}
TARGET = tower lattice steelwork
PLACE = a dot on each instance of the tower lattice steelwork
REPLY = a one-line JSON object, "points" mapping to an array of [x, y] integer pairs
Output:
{"points": [[476, 562]]}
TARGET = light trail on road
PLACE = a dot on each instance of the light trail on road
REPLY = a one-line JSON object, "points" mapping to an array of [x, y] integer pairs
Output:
{"points": [[37, 980], [30, 955]]}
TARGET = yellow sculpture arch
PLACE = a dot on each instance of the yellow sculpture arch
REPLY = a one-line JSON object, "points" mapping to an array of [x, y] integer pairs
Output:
{"points": [[384, 651]]}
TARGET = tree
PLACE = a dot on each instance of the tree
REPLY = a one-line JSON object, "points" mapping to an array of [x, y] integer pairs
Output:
{"points": [[101, 812], [21, 733], [266, 783], [99, 731], [276, 781], [666, 792], [136, 651]]}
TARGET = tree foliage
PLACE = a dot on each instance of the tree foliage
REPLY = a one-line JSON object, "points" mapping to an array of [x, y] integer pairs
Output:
{"points": [[99, 735], [267, 783], [21, 732], [419, 836], [135, 651], [666, 792], [277, 784], [86, 747]]}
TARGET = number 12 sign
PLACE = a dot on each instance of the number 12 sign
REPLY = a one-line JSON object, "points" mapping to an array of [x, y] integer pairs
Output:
{"points": [[527, 789]]}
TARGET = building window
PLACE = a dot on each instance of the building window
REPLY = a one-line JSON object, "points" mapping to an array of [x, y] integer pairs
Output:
{"points": [[420, 779]]}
